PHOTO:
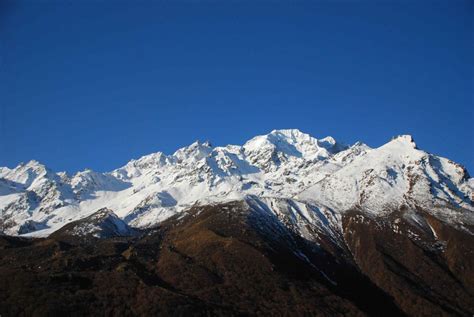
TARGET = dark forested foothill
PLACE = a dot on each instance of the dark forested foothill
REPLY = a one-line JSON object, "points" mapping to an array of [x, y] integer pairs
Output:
{"points": [[229, 260]]}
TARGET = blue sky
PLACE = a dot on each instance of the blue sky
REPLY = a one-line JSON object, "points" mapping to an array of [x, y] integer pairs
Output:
{"points": [[95, 83]]}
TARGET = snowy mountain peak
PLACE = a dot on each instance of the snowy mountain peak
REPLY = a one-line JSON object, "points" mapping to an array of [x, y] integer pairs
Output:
{"points": [[196, 151], [138, 167], [27, 174], [286, 164], [290, 133], [360, 144], [394, 175], [33, 164], [292, 142], [403, 140]]}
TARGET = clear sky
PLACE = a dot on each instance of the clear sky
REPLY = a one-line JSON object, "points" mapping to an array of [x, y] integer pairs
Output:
{"points": [[95, 83]]}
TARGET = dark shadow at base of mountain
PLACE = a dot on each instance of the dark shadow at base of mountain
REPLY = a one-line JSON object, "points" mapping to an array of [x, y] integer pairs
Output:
{"points": [[230, 260]]}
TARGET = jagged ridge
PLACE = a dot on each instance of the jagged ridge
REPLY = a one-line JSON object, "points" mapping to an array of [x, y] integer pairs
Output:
{"points": [[285, 164]]}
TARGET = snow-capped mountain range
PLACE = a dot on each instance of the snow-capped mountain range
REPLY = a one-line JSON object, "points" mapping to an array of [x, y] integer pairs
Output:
{"points": [[316, 178]]}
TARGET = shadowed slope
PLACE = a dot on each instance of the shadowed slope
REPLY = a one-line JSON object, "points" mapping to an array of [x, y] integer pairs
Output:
{"points": [[226, 259]]}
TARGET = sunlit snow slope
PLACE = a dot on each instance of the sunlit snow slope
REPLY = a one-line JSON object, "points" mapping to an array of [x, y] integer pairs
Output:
{"points": [[320, 174]]}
